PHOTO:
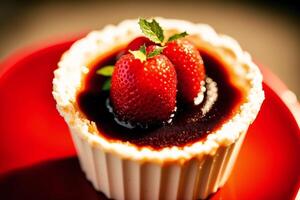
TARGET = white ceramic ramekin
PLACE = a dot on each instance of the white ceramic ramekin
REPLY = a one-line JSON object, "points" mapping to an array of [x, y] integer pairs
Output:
{"points": [[121, 170]]}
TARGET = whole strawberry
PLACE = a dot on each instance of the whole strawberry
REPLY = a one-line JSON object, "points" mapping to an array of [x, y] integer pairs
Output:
{"points": [[185, 58], [143, 88], [189, 67]]}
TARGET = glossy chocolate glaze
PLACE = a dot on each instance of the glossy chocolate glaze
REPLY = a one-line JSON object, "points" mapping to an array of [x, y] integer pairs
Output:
{"points": [[190, 124]]}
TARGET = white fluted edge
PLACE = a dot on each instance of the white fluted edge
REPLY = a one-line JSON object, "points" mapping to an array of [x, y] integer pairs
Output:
{"points": [[121, 178]]}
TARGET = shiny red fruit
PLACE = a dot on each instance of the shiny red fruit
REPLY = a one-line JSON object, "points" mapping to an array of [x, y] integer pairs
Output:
{"points": [[143, 92], [138, 42], [189, 67]]}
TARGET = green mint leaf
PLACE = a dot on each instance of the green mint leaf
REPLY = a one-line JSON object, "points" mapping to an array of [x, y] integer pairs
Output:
{"points": [[177, 36], [106, 85], [106, 70], [156, 51], [152, 30], [139, 55], [143, 49]]}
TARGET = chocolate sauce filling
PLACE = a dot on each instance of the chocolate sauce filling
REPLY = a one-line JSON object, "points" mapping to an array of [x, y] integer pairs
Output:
{"points": [[190, 124]]}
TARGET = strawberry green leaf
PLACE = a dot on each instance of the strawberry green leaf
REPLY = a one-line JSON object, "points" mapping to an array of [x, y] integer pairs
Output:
{"points": [[139, 55], [106, 70], [156, 51], [177, 36], [152, 30], [143, 49], [106, 85]]}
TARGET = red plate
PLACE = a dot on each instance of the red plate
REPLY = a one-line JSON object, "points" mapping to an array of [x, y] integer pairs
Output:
{"points": [[37, 158]]}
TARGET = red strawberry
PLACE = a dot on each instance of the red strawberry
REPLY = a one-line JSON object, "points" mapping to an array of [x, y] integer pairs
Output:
{"points": [[143, 91], [189, 67], [138, 42]]}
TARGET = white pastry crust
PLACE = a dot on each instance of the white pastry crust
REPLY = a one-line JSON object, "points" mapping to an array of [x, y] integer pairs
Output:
{"points": [[73, 67]]}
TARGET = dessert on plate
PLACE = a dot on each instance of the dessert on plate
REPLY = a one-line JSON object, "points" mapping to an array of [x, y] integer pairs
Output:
{"points": [[159, 108]]}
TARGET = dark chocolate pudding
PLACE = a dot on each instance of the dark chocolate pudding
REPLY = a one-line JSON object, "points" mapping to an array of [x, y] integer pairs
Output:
{"points": [[190, 124]]}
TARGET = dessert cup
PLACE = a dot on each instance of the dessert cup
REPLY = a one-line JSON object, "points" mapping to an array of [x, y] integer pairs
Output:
{"points": [[122, 170]]}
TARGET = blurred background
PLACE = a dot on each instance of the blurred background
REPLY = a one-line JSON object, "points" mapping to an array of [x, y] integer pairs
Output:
{"points": [[269, 30]]}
